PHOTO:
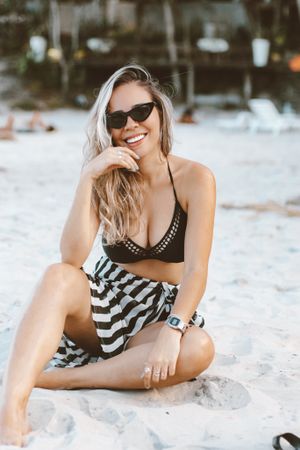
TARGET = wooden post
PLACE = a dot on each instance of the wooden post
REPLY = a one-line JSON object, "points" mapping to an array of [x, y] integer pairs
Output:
{"points": [[247, 86], [190, 86], [190, 77]]}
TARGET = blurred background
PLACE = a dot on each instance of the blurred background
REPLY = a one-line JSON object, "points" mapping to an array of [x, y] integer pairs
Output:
{"points": [[217, 54]]}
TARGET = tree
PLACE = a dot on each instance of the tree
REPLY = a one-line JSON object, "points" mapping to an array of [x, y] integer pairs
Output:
{"points": [[55, 38], [171, 44]]}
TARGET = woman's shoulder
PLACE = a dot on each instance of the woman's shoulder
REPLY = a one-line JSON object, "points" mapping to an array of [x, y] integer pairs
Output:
{"points": [[189, 171], [190, 177]]}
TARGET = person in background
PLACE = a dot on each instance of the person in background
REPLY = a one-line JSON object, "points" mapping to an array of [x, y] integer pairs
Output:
{"points": [[187, 116], [35, 124]]}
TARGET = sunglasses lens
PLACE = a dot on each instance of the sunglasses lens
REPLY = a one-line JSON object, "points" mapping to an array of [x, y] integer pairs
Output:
{"points": [[117, 120], [141, 112]]}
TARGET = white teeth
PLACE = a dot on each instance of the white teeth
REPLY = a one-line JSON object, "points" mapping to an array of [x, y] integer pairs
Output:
{"points": [[135, 139]]}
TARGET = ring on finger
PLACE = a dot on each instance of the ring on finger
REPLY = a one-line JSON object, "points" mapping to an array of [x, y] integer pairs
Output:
{"points": [[156, 373], [147, 370]]}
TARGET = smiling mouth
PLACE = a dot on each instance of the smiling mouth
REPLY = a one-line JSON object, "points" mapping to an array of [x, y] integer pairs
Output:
{"points": [[135, 139]]}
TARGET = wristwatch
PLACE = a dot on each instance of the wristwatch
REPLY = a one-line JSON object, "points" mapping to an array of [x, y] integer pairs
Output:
{"points": [[176, 323]]}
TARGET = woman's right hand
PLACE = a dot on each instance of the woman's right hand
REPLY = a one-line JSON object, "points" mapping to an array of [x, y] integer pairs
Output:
{"points": [[111, 158]]}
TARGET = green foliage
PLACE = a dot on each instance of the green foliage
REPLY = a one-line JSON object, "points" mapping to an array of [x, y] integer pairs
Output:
{"points": [[22, 64], [45, 73]]}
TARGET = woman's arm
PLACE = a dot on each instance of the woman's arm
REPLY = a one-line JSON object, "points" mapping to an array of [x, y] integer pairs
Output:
{"points": [[83, 221], [201, 193], [81, 226]]}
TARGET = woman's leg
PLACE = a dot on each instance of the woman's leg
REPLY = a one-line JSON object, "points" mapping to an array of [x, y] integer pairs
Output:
{"points": [[124, 370], [60, 302], [6, 132], [9, 123]]}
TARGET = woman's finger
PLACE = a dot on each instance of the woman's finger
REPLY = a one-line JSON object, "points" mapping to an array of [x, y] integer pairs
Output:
{"points": [[156, 374], [126, 151], [146, 375], [124, 159], [164, 372], [129, 152], [172, 369]]}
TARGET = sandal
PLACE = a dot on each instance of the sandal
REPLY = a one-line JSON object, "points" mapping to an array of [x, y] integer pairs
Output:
{"points": [[291, 438]]}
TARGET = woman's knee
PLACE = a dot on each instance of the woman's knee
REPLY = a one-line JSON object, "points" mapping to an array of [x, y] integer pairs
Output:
{"points": [[63, 281], [60, 275], [197, 353]]}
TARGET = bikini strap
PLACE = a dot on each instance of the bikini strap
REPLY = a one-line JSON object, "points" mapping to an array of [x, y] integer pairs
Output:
{"points": [[172, 181]]}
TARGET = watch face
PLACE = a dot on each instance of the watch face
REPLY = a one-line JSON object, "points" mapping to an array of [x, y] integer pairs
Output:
{"points": [[174, 321]]}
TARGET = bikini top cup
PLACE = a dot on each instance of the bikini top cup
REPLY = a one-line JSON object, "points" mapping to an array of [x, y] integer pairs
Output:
{"points": [[169, 249]]}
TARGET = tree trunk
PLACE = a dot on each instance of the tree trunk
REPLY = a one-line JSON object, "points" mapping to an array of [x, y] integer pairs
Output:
{"points": [[172, 49], [55, 32], [76, 27], [298, 4], [54, 25], [139, 19], [111, 11]]}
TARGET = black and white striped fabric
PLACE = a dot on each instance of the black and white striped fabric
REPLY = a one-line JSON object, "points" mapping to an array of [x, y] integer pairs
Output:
{"points": [[122, 304]]}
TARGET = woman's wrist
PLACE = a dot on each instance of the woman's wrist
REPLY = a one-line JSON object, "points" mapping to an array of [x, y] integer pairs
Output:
{"points": [[171, 331], [87, 177]]}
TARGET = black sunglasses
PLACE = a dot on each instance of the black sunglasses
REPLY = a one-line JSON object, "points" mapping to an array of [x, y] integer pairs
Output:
{"points": [[139, 113]]}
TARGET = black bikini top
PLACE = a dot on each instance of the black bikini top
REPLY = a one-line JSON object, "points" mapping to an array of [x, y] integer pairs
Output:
{"points": [[169, 249]]}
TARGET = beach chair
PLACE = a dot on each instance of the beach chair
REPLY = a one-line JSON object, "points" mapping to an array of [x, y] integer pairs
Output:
{"points": [[268, 118], [240, 122]]}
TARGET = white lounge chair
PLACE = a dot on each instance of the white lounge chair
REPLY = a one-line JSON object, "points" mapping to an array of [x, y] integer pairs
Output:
{"points": [[240, 122], [268, 118]]}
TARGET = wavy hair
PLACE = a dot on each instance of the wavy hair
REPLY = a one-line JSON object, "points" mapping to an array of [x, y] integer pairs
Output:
{"points": [[118, 194]]}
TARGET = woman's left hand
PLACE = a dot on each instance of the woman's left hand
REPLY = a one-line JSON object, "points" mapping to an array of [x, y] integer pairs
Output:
{"points": [[162, 359]]}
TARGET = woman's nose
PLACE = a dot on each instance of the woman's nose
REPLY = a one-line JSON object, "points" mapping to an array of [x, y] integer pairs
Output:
{"points": [[131, 123]]}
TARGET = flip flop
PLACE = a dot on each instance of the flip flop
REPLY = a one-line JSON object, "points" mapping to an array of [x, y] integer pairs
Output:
{"points": [[291, 438]]}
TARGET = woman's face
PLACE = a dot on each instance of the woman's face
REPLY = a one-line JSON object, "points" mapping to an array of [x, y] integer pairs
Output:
{"points": [[146, 134]]}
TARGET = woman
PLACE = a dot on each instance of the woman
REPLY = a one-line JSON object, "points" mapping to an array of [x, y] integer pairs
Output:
{"points": [[134, 318]]}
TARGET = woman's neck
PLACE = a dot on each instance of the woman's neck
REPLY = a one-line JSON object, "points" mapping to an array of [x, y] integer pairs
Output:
{"points": [[152, 166]]}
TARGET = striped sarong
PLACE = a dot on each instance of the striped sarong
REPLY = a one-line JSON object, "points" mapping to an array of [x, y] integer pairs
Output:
{"points": [[122, 304]]}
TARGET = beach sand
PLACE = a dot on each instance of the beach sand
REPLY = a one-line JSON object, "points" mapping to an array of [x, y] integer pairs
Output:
{"points": [[251, 304]]}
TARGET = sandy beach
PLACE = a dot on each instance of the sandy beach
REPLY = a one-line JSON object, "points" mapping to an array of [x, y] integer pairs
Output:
{"points": [[251, 392]]}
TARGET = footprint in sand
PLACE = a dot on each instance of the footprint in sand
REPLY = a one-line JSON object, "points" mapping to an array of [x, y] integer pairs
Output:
{"points": [[40, 413], [242, 346], [225, 360], [211, 392], [220, 393], [44, 417], [107, 415]]}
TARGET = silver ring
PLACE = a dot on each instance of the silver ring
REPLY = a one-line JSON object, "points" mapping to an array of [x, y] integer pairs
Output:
{"points": [[156, 373], [147, 370]]}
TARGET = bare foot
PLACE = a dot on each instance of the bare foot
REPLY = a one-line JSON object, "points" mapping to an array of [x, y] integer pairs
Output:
{"points": [[26, 425], [12, 426]]}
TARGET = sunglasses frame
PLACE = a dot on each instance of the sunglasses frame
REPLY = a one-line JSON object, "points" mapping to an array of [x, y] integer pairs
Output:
{"points": [[127, 114]]}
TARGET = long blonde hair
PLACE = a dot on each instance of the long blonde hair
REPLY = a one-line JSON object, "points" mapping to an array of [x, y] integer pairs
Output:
{"points": [[118, 195]]}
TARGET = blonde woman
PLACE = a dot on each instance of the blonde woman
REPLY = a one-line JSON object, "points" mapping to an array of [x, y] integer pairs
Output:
{"points": [[132, 324]]}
